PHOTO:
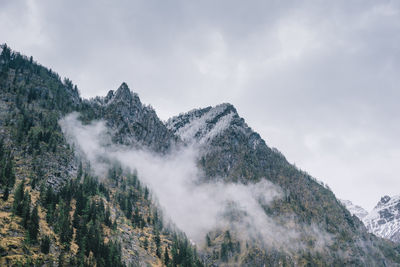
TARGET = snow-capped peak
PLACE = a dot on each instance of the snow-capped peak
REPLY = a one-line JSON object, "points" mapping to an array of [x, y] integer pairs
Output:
{"points": [[202, 125], [384, 219], [354, 209]]}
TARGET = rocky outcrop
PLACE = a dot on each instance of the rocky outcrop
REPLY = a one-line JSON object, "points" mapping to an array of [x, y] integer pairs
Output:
{"points": [[132, 122]]}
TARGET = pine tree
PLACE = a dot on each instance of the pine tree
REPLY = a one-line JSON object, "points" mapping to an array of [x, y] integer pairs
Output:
{"points": [[75, 220], [26, 208], [145, 243], [128, 209], [157, 241], [107, 220], [166, 257], [6, 193], [63, 223], [1, 148], [61, 259], [6, 53], [80, 171], [18, 197], [33, 226], [208, 240], [7, 175], [175, 253], [45, 244]]}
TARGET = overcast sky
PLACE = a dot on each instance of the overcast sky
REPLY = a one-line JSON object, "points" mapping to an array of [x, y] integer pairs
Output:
{"points": [[319, 80]]}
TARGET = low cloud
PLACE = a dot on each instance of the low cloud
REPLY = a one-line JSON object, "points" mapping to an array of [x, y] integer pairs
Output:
{"points": [[194, 206]]}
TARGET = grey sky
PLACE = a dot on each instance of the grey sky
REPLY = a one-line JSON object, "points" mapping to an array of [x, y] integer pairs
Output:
{"points": [[319, 80]]}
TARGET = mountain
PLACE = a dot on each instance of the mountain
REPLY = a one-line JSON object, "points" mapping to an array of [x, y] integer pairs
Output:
{"points": [[355, 209], [232, 151], [58, 207], [384, 219]]}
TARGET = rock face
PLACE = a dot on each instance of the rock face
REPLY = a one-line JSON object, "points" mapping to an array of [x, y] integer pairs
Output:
{"points": [[384, 219], [355, 209], [132, 122]]}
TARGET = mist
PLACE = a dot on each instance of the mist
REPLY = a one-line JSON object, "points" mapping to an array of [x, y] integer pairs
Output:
{"points": [[194, 206]]}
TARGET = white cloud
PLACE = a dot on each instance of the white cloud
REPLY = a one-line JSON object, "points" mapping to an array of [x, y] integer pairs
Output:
{"points": [[194, 206]]}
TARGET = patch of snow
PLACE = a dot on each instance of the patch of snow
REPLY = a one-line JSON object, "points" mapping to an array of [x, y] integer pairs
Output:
{"points": [[201, 127], [222, 124], [255, 143]]}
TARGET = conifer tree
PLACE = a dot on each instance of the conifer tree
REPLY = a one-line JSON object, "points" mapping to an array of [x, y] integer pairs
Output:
{"points": [[45, 244], [208, 240], [18, 199], [6, 193], [33, 226], [166, 257], [26, 208], [145, 243], [157, 241]]}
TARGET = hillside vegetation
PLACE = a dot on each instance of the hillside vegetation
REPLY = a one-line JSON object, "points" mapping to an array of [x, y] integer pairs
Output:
{"points": [[55, 210]]}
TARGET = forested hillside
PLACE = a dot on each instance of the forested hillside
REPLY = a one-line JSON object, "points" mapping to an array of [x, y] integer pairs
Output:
{"points": [[57, 208]]}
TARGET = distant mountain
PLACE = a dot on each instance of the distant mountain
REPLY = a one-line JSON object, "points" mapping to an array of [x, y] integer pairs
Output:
{"points": [[56, 208], [355, 209], [384, 219]]}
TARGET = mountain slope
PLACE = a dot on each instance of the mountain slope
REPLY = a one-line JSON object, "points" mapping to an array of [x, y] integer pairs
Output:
{"points": [[231, 151]]}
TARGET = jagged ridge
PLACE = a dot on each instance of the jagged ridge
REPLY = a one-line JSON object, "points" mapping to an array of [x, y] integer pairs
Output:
{"points": [[132, 122]]}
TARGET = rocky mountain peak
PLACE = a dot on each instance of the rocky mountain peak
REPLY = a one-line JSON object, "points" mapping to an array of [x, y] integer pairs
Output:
{"points": [[133, 123], [123, 92], [384, 219], [123, 95], [383, 201]]}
